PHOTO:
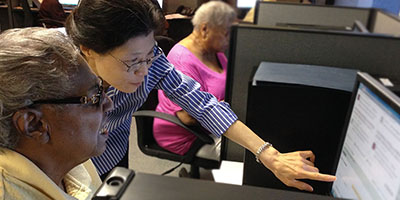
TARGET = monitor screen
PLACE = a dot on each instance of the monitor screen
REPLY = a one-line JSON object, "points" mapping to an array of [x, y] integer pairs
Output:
{"points": [[392, 6], [69, 2], [354, 3], [245, 3], [369, 163], [160, 2]]}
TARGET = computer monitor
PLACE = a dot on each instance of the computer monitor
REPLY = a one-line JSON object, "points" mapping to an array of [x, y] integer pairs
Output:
{"points": [[315, 27], [391, 6], [69, 4], [245, 3], [160, 2], [362, 4], [369, 163]]}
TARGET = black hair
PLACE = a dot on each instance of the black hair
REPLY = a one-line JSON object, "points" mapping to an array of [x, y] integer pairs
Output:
{"points": [[103, 25]]}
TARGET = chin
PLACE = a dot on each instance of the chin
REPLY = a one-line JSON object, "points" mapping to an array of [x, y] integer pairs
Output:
{"points": [[99, 148], [128, 89], [98, 151]]}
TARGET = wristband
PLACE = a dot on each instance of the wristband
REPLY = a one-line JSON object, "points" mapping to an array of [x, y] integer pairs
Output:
{"points": [[261, 149]]}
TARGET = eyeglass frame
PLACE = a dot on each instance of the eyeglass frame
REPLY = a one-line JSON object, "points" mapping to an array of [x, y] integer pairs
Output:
{"points": [[94, 100], [139, 64]]}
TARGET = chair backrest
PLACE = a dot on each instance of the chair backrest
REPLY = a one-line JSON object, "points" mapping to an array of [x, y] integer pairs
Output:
{"points": [[166, 43], [179, 28], [28, 16], [146, 142], [151, 101], [148, 145], [52, 14]]}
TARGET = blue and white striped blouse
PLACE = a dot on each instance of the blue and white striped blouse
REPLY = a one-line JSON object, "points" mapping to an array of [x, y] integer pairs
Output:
{"points": [[215, 116]]}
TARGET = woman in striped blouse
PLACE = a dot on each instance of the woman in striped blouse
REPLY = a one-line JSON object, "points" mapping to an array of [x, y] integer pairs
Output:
{"points": [[116, 38]]}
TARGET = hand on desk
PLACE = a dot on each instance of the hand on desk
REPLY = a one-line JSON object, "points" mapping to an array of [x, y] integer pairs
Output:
{"points": [[288, 167]]}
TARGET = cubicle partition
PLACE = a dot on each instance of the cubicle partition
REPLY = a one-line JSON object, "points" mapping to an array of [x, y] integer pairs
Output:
{"points": [[325, 17], [385, 23], [308, 15], [250, 45]]}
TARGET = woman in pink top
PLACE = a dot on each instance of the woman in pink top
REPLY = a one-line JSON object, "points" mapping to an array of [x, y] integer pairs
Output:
{"points": [[200, 56]]}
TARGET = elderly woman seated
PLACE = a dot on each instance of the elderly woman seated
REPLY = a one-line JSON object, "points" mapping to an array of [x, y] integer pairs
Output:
{"points": [[52, 112], [200, 56]]}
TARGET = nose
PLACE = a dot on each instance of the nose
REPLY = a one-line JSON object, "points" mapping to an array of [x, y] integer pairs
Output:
{"points": [[143, 70]]}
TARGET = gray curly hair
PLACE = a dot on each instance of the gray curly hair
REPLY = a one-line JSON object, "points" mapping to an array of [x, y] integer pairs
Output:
{"points": [[35, 64], [214, 13]]}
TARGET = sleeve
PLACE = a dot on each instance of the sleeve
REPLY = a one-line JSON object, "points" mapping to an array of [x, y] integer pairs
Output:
{"points": [[215, 116], [189, 69]]}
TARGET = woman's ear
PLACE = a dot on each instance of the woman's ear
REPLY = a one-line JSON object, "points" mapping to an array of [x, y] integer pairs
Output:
{"points": [[204, 29], [87, 52], [30, 124]]}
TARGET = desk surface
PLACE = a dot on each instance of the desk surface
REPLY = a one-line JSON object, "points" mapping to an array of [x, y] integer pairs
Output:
{"points": [[152, 187]]}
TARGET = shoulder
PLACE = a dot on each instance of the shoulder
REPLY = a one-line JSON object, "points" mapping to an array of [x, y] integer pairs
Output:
{"points": [[182, 58], [177, 51]]}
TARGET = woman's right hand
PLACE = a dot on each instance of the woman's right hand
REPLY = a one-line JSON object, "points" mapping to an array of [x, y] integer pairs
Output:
{"points": [[289, 167]]}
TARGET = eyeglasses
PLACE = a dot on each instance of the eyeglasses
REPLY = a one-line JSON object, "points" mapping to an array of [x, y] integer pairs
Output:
{"points": [[145, 63], [96, 99]]}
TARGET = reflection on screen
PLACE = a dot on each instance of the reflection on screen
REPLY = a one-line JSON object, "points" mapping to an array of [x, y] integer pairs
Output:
{"points": [[369, 165], [246, 3], [69, 2]]}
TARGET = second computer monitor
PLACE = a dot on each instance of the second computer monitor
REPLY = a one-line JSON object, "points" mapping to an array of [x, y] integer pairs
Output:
{"points": [[369, 164]]}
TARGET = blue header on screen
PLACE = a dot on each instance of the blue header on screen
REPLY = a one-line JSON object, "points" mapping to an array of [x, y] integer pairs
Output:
{"points": [[391, 6], [381, 102]]}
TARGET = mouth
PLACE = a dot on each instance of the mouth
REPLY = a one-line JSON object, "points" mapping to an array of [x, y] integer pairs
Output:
{"points": [[137, 84]]}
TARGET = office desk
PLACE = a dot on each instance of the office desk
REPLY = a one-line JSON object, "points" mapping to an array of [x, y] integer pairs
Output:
{"points": [[153, 187]]}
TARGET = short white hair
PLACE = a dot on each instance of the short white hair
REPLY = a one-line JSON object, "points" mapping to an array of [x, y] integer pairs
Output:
{"points": [[35, 64], [214, 13]]}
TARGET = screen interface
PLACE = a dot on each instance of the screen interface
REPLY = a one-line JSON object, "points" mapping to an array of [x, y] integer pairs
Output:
{"points": [[246, 3], [369, 165], [69, 2]]}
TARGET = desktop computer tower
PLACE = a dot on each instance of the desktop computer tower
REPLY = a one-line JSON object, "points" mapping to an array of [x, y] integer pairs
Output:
{"points": [[297, 107]]}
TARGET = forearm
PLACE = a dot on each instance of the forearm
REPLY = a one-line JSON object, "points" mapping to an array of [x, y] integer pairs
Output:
{"points": [[241, 134], [244, 136]]}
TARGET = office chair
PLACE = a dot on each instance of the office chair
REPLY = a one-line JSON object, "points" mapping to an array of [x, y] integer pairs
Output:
{"points": [[179, 28], [52, 14], [14, 14], [166, 43], [29, 20], [148, 145]]}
